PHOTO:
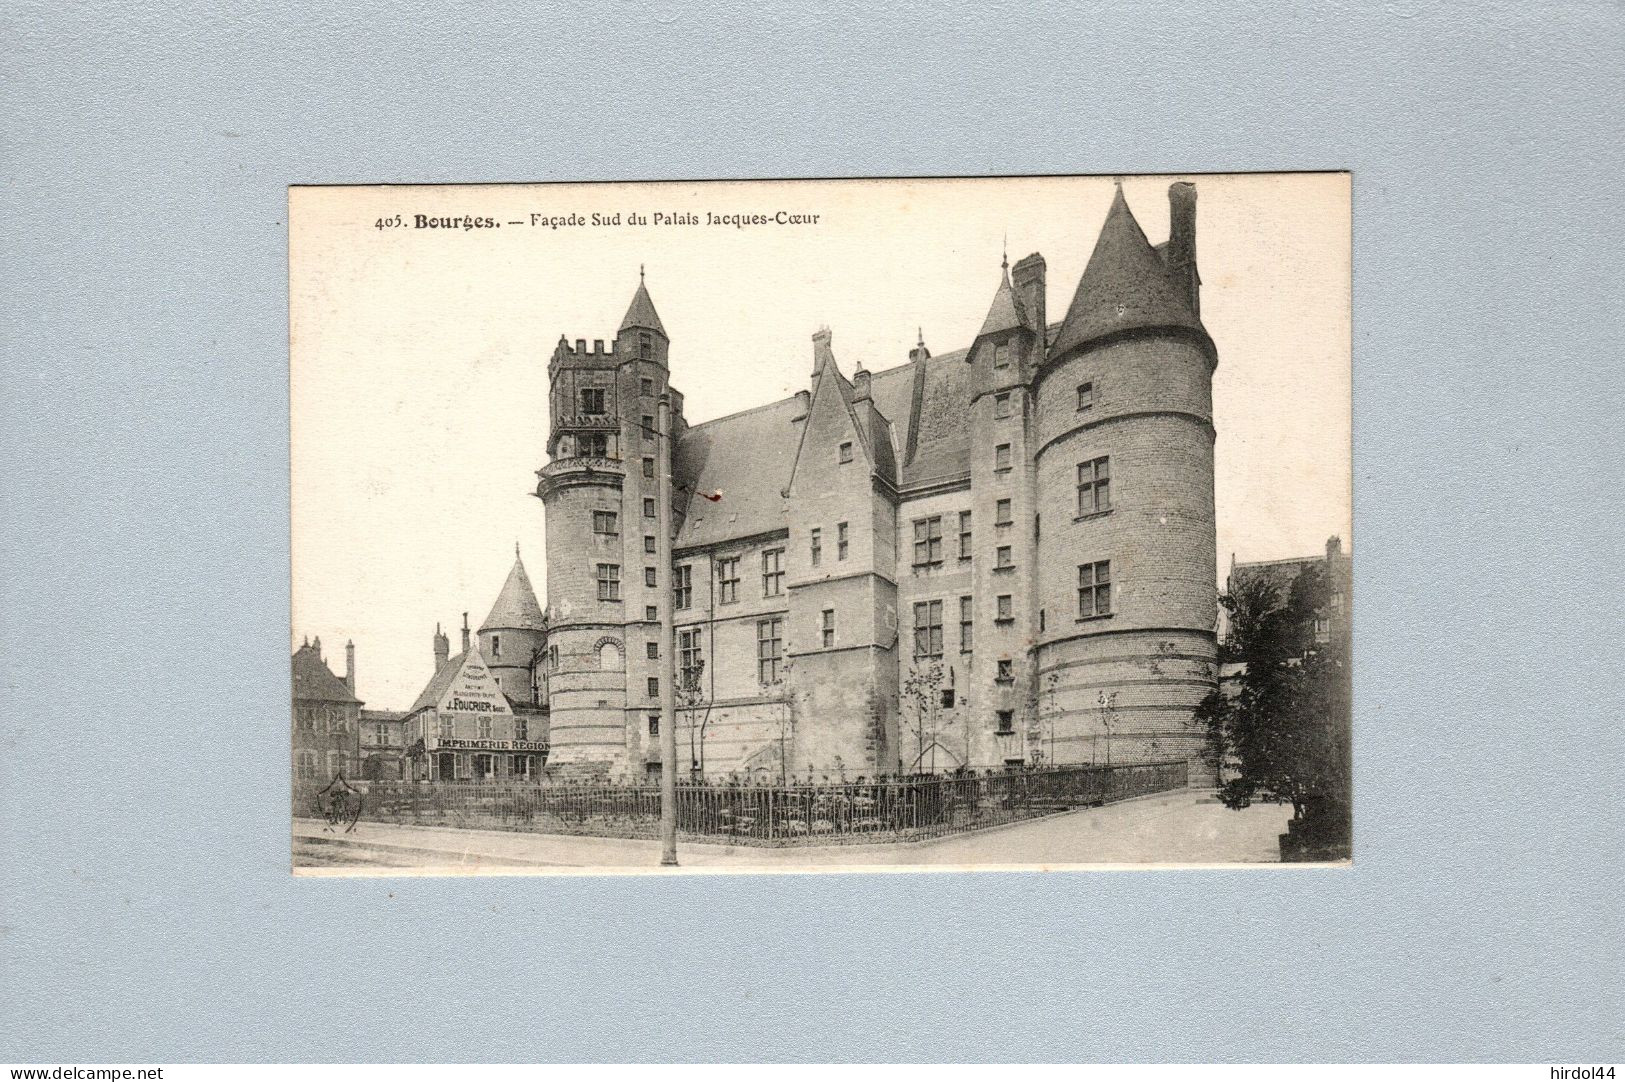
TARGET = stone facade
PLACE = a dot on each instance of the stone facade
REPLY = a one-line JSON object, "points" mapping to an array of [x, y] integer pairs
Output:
{"points": [[1000, 555]]}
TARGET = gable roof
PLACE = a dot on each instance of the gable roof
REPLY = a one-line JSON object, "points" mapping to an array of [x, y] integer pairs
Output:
{"points": [[516, 605], [1126, 286], [641, 312], [438, 683], [312, 679]]}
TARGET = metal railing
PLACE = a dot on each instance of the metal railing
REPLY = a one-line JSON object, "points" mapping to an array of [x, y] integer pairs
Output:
{"points": [[887, 810]]}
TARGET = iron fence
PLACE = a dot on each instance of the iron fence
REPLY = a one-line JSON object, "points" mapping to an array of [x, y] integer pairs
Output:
{"points": [[900, 809]]}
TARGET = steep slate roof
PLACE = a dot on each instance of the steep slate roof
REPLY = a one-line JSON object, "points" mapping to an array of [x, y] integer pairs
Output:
{"points": [[516, 605], [438, 683], [1006, 312], [312, 679], [641, 313], [1125, 287], [745, 456]]}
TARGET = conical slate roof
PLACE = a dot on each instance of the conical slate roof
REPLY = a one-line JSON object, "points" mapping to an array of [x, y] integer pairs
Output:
{"points": [[1006, 312], [1125, 287], [642, 313], [516, 605]]}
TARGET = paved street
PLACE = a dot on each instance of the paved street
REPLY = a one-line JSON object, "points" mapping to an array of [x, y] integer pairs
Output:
{"points": [[1171, 828]]}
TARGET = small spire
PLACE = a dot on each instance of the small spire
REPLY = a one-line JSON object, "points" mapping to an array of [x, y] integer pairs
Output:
{"points": [[1004, 260], [640, 272], [921, 342], [516, 550]]}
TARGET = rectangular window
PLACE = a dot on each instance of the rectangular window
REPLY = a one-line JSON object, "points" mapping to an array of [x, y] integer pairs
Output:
{"points": [[1002, 560], [1001, 458], [463, 770], [682, 588], [654, 724], [593, 445], [648, 466], [521, 727], [648, 423], [1001, 513], [651, 613], [828, 629], [521, 765], [1094, 486], [769, 649], [646, 385], [690, 658], [1086, 396], [646, 346], [609, 582], [1001, 355], [484, 728], [928, 541], [380, 734], [1006, 610], [1007, 671], [964, 535], [654, 687], [592, 401], [447, 731], [652, 650], [307, 765], [728, 580], [772, 572], [648, 507], [840, 540], [1095, 589], [928, 629], [496, 646], [846, 451], [649, 576], [817, 549], [967, 624], [648, 542], [1007, 722], [603, 522], [1001, 405]]}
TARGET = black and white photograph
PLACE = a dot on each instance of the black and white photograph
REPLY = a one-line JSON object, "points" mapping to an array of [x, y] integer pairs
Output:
{"points": [[790, 526]]}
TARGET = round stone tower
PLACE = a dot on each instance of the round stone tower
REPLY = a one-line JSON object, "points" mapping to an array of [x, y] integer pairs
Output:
{"points": [[1126, 568], [602, 580], [514, 636]]}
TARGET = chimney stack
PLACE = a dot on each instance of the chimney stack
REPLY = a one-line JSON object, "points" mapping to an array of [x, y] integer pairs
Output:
{"points": [[803, 406], [465, 632], [1182, 242], [822, 350], [860, 385], [1334, 548], [442, 648], [349, 665], [1027, 279], [920, 353]]}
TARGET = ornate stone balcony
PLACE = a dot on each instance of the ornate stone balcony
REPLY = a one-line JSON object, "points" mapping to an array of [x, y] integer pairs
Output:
{"points": [[581, 470]]}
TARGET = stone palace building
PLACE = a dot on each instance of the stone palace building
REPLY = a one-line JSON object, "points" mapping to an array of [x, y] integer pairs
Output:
{"points": [[1003, 554]]}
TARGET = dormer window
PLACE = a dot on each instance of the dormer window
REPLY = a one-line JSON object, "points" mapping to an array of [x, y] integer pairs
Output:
{"points": [[846, 451]]}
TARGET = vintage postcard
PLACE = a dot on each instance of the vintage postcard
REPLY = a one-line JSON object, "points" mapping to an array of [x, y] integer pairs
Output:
{"points": [[799, 525]]}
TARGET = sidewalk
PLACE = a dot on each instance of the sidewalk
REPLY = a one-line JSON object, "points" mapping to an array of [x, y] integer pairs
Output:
{"points": [[1183, 827]]}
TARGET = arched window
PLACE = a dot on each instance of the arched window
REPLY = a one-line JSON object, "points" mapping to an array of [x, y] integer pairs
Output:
{"points": [[609, 656]]}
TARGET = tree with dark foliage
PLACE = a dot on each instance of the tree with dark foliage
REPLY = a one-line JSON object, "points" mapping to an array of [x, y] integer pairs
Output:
{"points": [[1286, 735]]}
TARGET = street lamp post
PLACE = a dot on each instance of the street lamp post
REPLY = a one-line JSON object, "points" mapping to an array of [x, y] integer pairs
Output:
{"points": [[668, 675]]}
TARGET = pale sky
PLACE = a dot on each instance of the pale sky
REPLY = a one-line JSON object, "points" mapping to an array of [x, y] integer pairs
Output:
{"points": [[419, 356]]}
